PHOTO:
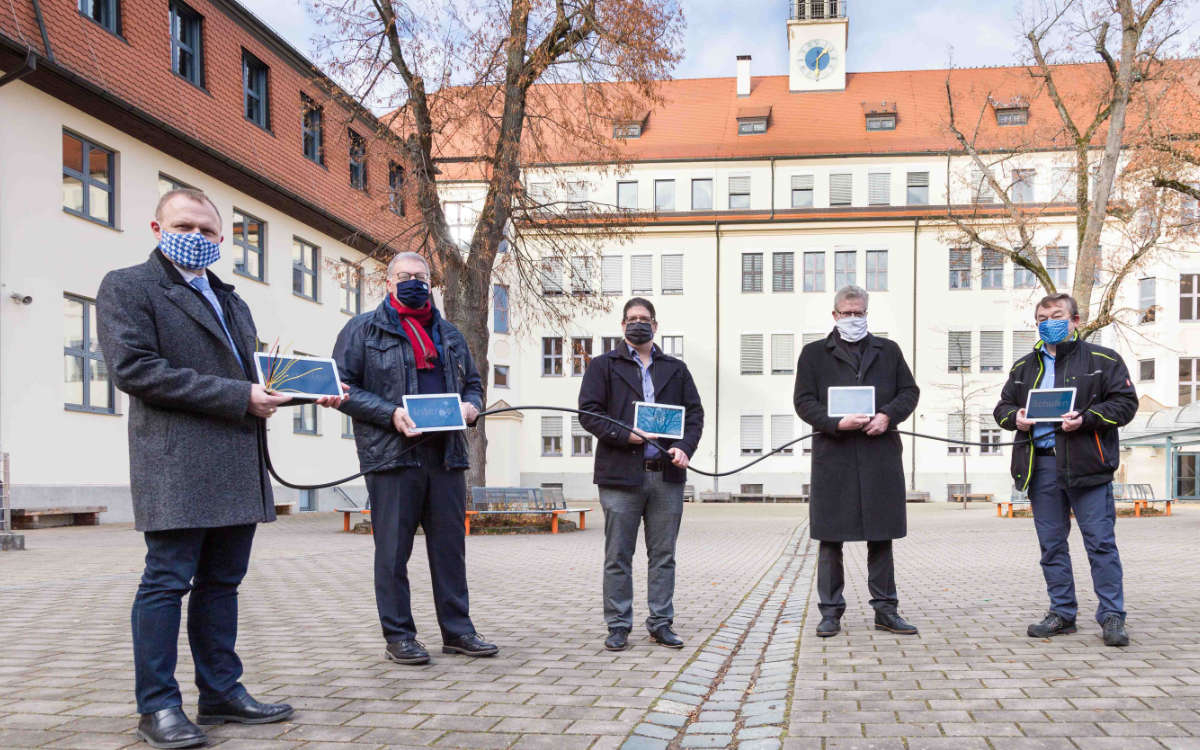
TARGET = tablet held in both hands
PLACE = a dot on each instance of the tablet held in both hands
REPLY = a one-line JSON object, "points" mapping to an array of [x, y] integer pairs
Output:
{"points": [[658, 420], [846, 401], [304, 378], [1049, 404], [435, 412]]}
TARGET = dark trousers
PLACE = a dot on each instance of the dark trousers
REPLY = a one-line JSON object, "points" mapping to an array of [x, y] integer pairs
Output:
{"points": [[209, 563], [437, 500], [1096, 514], [831, 578]]}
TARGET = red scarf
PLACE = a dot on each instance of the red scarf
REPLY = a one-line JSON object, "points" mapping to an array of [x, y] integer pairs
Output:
{"points": [[413, 323]]}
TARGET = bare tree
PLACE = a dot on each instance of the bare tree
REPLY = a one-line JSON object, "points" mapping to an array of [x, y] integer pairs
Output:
{"points": [[965, 392], [486, 98], [1107, 115]]}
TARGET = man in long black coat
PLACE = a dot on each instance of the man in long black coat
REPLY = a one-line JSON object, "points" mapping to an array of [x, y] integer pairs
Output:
{"points": [[857, 475]]}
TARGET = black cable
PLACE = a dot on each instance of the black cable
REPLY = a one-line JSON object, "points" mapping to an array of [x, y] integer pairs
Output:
{"points": [[262, 441]]}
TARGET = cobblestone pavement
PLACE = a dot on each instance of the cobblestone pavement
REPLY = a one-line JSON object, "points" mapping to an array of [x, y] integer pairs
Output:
{"points": [[970, 680]]}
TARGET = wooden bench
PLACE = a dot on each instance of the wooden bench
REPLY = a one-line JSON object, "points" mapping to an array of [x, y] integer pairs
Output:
{"points": [[45, 518], [347, 512], [966, 497], [284, 509], [1004, 508], [522, 501]]}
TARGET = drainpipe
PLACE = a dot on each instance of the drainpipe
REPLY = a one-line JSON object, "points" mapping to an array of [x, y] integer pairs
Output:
{"points": [[26, 68], [912, 451], [41, 22], [717, 384], [772, 187]]}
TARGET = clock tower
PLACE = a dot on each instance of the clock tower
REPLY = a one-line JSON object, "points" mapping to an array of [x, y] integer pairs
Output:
{"points": [[817, 34]]}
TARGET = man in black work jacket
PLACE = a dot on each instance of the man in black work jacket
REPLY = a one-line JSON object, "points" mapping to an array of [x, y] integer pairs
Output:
{"points": [[637, 480], [1071, 469]]}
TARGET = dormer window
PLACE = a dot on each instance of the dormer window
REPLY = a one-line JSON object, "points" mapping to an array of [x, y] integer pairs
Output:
{"points": [[753, 120], [880, 115], [631, 127], [1011, 112]]}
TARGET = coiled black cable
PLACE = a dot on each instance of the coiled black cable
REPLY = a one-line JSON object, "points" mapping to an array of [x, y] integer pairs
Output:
{"points": [[263, 446]]}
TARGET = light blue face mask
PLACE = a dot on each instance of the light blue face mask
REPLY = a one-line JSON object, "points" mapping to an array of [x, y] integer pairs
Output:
{"points": [[1054, 330]]}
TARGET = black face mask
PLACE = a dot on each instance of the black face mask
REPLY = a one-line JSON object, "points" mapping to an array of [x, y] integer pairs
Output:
{"points": [[413, 293], [638, 332]]}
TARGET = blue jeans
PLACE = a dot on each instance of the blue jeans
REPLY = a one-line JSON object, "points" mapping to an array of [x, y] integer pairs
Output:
{"points": [[660, 505], [1096, 514], [209, 563]]}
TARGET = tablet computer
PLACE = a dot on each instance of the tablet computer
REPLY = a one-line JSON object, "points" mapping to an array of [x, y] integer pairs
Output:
{"points": [[843, 401], [1049, 404], [435, 412], [658, 420], [300, 376]]}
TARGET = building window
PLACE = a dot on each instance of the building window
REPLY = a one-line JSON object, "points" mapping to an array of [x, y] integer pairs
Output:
{"points": [[627, 130], [782, 431], [187, 40], [957, 429], [990, 435], [752, 434], [841, 189], [877, 270], [87, 386], [641, 274], [1145, 370], [308, 501], [255, 91], [358, 160], [552, 356], [350, 288], [611, 280], [959, 349], [305, 268], [107, 13], [991, 265], [582, 272], [550, 274], [783, 272], [396, 188], [752, 354], [499, 308], [879, 188], [249, 243], [304, 419], [960, 268], [347, 427], [739, 192], [1011, 117], [881, 122], [752, 272], [783, 353], [991, 351], [611, 343], [581, 355], [1022, 186], [917, 193], [87, 179], [1189, 380], [751, 125], [1057, 259], [627, 195], [814, 272], [702, 195], [1189, 296], [672, 274], [802, 191], [581, 439], [672, 345], [311, 130], [1146, 304], [1023, 342], [845, 264], [461, 218], [552, 436], [664, 195], [167, 183], [500, 376], [981, 187], [1023, 278]]}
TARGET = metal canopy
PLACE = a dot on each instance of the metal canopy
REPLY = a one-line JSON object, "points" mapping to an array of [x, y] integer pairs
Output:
{"points": [[1172, 429]]}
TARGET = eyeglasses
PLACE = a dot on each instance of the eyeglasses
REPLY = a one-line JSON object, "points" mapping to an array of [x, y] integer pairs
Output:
{"points": [[851, 314], [403, 277], [639, 319]]}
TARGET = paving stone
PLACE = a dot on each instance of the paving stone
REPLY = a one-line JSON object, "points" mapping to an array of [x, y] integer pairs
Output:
{"points": [[654, 730]]}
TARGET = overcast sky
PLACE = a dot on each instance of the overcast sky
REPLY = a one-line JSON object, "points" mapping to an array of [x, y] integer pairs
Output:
{"points": [[884, 34]]}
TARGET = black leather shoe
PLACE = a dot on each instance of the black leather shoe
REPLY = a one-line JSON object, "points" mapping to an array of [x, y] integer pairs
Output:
{"points": [[407, 652], [617, 640], [1114, 631], [893, 623], [243, 710], [1052, 625], [664, 636], [170, 728], [829, 626], [471, 645]]}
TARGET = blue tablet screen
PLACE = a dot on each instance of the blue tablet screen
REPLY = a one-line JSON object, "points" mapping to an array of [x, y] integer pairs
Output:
{"points": [[660, 420], [435, 412], [284, 374], [1048, 404]]}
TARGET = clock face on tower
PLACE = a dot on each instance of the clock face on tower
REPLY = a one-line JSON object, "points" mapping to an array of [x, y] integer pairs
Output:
{"points": [[818, 59]]}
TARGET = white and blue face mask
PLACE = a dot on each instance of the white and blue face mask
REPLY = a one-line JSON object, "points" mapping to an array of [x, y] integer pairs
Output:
{"points": [[193, 250]]}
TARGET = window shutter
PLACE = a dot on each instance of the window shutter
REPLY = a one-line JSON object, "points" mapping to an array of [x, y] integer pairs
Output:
{"points": [[551, 426], [610, 271], [783, 352], [981, 187], [956, 423], [577, 428], [641, 273], [959, 343], [672, 274], [808, 338], [540, 193], [879, 334], [840, 190], [1065, 184], [991, 351], [802, 182], [739, 184], [551, 272], [581, 275], [879, 188], [752, 353], [781, 429], [918, 179], [1023, 342], [752, 433]]}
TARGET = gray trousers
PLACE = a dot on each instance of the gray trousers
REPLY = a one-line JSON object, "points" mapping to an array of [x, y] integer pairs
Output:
{"points": [[831, 578], [660, 505]]}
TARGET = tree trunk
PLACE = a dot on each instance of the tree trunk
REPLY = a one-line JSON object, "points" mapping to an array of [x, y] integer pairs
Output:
{"points": [[465, 295]]}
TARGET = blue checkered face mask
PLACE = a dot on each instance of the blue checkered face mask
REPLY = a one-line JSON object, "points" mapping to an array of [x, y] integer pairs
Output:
{"points": [[193, 250]]}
